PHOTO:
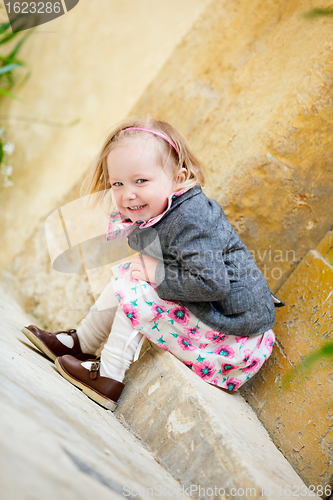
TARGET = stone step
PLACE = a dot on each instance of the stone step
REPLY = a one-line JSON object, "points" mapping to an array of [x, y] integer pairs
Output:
{"points": [[210, 440], [54, 441]]}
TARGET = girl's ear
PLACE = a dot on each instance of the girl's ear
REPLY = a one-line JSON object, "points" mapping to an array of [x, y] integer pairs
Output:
{"points": [[181, 175]]}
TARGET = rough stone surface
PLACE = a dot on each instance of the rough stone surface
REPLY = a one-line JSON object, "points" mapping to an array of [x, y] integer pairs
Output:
{"points": [[203, 435], [57, 300], [54, 441], [299, 418]]}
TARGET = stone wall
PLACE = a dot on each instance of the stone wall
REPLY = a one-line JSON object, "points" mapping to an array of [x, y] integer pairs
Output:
{"points": [[90, 65], [299, 416]]}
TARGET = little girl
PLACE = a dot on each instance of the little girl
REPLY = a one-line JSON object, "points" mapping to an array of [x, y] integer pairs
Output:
{"points": [[193, 289]]}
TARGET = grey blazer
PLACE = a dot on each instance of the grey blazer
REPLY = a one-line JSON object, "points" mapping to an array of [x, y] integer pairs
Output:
{"points": [[206, 266]]}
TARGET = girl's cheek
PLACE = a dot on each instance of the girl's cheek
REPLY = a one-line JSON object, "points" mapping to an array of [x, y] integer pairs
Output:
{"points": [[113, 197]]}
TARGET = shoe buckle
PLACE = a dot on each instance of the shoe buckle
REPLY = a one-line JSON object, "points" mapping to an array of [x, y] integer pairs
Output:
{"points": [[93, 370], [69, 332]]}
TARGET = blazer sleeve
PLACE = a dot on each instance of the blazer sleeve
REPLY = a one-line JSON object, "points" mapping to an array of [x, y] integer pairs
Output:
{"points": [[193, 269]]}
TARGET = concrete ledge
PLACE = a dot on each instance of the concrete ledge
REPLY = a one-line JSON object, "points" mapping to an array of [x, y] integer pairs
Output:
{"points": [[203, 435], [55, 443]]}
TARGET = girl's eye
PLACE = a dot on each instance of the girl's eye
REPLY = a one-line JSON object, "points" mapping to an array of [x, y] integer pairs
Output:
{"points": [[116, 184], [141, 181]]}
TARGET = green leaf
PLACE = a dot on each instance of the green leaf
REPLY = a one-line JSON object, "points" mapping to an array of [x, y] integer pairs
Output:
{"points": [[18, 46], [1, 152], [4, 27], [8, 37], [7, 60], [318, 13], [12, 96], [9, 68], [304, 366]]}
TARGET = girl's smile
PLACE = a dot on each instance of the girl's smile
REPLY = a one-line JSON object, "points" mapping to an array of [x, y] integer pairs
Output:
{"points": [[140, 185], [136, 209]]}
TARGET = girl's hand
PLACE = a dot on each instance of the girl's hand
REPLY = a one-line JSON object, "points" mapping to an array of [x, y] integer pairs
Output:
{"points": [[143, 268]]}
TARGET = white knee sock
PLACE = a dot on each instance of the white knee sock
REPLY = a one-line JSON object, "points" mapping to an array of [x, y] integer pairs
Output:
{"points": [[113, 326], [96, 326], [116, 356]]}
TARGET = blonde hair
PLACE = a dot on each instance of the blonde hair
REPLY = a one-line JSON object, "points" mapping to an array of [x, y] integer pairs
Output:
{"points": [[97, 180]]}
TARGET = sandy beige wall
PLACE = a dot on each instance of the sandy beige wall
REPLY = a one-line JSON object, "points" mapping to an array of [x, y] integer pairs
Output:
{"points": [[251, 87], [91, 64]]}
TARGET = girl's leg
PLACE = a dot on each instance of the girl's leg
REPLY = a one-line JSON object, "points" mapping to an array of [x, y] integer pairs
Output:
{"points": [[120, 348], [102, 381], [96, 326]]}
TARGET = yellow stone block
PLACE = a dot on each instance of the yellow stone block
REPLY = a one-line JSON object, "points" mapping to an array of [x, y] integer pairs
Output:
{"points": [[299, 417], [325, 247], [306, 321]]}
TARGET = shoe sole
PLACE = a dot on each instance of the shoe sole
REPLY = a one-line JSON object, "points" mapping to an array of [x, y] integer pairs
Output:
{"points": [[39, 343], [88, 391]]}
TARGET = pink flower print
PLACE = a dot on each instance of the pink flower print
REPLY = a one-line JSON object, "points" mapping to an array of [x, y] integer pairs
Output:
{"points": [[226, 368], [225, 350], [214, 381], [179, 314], [189, 364], [233, 384], [158, 312], [269, 342], [124, 268], [203, 346], [254, 365], [185, 344], [259, 340], [131, 279], [205, 369], [193, 333], [215, 336], [120, 297], [247, 354], [132, 314], [242, 340]]}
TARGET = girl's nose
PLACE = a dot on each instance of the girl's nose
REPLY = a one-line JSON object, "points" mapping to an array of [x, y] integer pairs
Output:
{"points": [[129, 194]]}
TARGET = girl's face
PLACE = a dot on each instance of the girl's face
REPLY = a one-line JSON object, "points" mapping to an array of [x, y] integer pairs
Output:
{"points": [[140, 186]]}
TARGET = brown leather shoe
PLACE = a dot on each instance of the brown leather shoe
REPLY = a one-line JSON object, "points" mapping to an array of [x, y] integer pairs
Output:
{"points": [[49, 344], [103, 390]]}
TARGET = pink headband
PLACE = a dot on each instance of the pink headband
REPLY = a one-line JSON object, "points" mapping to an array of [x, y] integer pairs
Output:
{"points": [[155, 133]]}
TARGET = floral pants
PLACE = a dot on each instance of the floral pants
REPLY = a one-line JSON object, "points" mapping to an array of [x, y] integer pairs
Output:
{"points": [[227, 361]]}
